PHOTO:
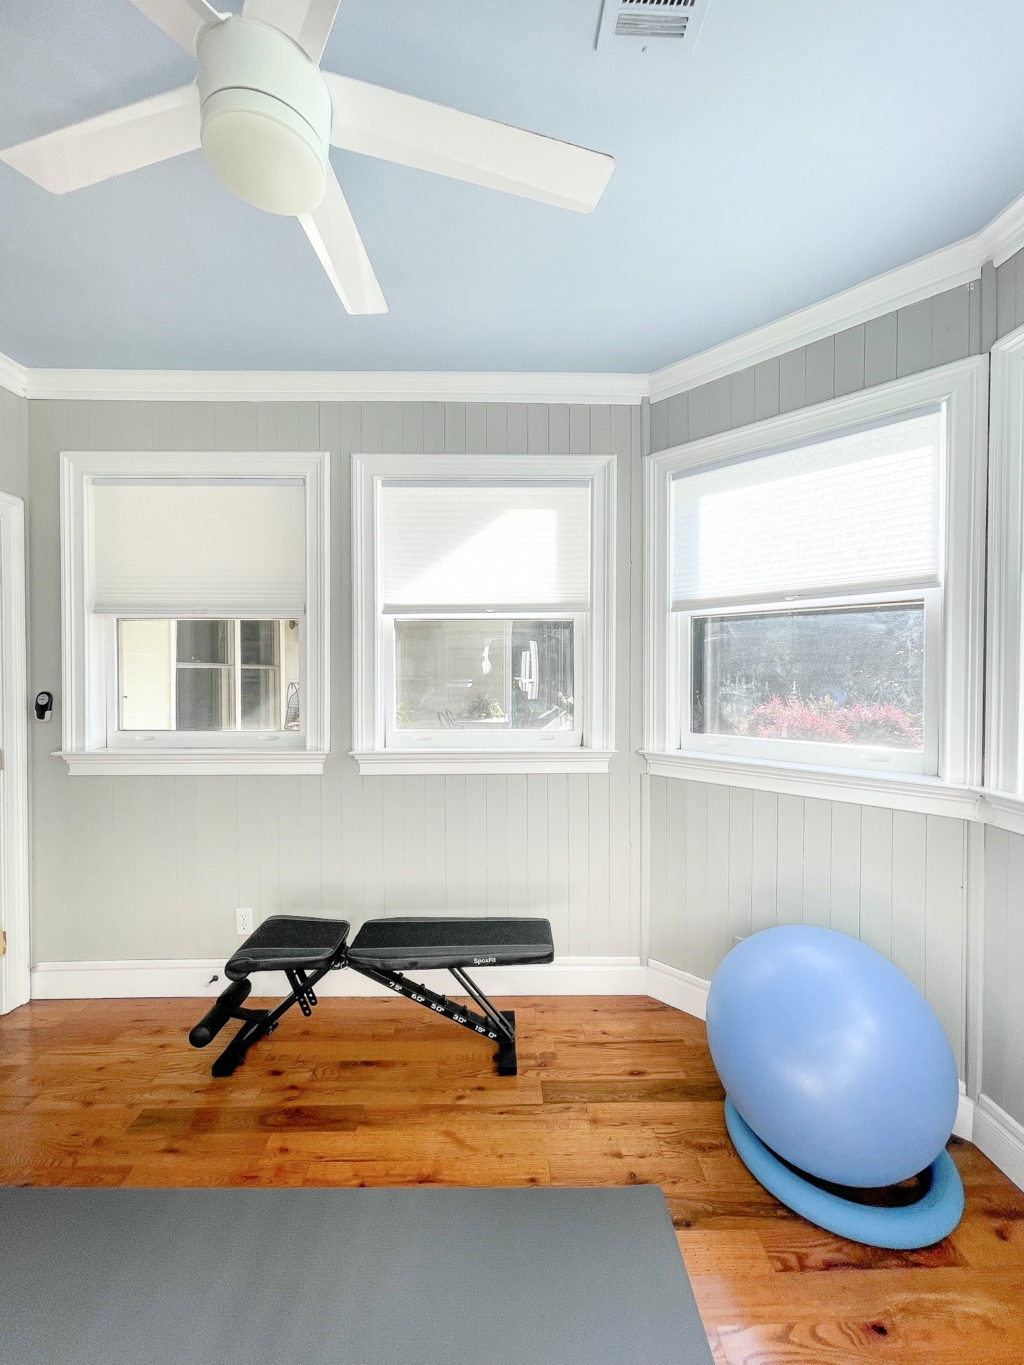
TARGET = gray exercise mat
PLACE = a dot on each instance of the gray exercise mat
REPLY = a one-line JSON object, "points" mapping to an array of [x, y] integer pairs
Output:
{"points": [[344, 1277]]}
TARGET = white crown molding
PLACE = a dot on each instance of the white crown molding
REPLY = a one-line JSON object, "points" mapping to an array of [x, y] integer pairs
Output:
{"points": [[13, 377], [1004, 236], [953, 265], [946, 269], [957, 264], [322, 386]]}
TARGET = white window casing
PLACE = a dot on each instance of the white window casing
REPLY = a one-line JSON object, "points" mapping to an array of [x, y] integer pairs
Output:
{"points": [[763, 483], [175, 535], [462, 538], [1004, 740]]}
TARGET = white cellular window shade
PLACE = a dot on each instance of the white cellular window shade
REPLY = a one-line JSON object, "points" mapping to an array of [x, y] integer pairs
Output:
{"points": [[219, 547], [484, 546], [856, 512]]}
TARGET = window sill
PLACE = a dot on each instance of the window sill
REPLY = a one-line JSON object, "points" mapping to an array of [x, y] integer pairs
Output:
{"points": [[927, 795], [419, 762], [193, 762], [1005, 810]]}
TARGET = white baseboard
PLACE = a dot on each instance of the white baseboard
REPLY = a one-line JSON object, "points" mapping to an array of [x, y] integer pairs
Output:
{"points": [[678, 989], [1000, 1137], [166, 977], [963, 1125]]}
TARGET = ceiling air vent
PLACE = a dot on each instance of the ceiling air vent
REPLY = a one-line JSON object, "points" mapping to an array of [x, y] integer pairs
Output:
{"points": [[640, 23]]}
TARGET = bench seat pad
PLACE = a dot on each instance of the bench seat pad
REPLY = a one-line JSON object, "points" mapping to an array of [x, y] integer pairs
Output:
{"points": [[289, 943], [404, 943]]}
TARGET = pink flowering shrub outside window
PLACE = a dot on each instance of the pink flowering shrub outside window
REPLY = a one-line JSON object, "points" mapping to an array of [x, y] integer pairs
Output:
{"points": [[822, 720]]}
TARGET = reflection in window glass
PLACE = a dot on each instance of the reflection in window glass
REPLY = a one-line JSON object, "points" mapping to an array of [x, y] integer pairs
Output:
{"points": [[836, 675], [484, 674], [204, 675]]}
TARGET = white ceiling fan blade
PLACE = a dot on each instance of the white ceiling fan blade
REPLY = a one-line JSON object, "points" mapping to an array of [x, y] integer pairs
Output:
{"points": [[308, 22], [432, 137], [335, 238], [180, 19], [111, 144]]}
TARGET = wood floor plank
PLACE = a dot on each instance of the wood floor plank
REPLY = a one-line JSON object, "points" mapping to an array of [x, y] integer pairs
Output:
{"points": [[610, 1092]]}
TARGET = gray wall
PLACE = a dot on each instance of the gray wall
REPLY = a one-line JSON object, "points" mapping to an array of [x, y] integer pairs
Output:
{"points": [[1003, 998], [153, 867], [13, 444], [1010, 295], [724, 861]]}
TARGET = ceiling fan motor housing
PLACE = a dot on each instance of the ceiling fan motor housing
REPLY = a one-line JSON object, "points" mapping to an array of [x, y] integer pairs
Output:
{"points": [[266, 115]]}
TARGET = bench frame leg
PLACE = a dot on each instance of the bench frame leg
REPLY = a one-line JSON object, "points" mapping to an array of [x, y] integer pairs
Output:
{"points": [[258, 1023], [497, 1025]]}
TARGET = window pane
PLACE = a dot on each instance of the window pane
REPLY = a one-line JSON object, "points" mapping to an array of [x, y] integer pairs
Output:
{"points": [[146, 654], [489, 674], [542, 695], [205, 699], [259, 699], [838, 675], [187, 675], [205, 642], [259, 642]]}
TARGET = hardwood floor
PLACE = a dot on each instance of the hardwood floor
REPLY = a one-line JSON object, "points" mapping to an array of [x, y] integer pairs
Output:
{"points": [[610, 1091]]}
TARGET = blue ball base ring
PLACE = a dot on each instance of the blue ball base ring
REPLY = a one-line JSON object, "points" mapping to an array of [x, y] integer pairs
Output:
{"points": [[906, 1228]]}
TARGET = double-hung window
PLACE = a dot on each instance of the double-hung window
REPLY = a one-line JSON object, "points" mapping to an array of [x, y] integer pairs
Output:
{"points": [[194, 598], [816, 587], [483, 607]]}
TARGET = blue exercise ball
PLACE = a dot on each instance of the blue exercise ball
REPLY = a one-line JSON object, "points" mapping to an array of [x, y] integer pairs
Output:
{"points": [[832, 1056]]}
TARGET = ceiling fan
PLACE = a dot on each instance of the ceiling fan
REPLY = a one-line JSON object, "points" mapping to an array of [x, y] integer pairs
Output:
{"points": [[264, 114]]}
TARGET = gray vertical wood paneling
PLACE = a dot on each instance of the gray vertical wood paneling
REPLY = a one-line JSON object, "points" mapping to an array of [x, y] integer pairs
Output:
{"points": [[13, 444], [727, 862], [1002, 999], [918, 337], [154, 867], [849, 360], [1009, 289]]}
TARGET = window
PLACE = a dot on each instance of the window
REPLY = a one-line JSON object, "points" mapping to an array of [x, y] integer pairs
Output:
{"points": [[815, 588], [484, 603], [195, 595], [208, 675]]}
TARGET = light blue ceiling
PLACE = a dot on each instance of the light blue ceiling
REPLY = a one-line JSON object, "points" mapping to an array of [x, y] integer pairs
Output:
{"points": [[801, 148]]}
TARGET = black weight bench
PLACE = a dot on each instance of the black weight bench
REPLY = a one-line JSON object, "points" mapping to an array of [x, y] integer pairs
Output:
{"points": [[307, 948]]}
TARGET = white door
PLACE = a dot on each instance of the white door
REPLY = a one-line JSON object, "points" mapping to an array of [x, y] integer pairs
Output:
{"points": [[14, 894]]}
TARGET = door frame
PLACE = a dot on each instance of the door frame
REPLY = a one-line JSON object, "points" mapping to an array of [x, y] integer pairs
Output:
{"points": [[15, 966]]}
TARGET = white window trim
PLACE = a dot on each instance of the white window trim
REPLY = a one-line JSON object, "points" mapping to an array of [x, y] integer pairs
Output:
{"points": [[84, 746], [961, 386], [1004, 747], [369, 683]]}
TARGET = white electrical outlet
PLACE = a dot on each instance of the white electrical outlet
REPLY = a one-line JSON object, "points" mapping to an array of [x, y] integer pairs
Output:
{"points": [[243, 921]]}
